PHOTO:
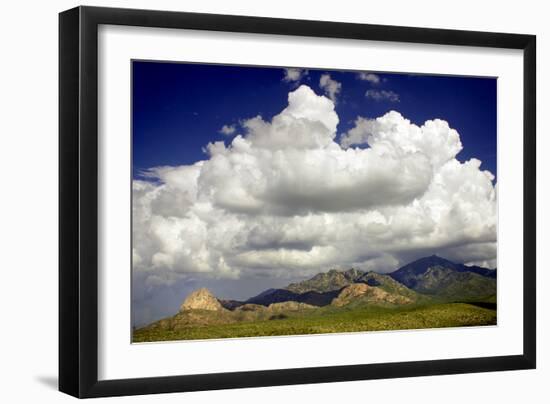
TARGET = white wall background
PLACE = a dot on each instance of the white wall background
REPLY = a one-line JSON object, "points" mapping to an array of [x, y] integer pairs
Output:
{"points": [[28, 202]]}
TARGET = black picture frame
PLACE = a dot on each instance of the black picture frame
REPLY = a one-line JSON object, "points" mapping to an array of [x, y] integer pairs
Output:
{"points": [[78, 201]]}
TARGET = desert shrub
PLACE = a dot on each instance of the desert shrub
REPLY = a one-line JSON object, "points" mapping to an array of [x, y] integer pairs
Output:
{"points": [[279, 316]]}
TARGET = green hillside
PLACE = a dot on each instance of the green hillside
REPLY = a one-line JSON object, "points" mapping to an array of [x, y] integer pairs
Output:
{"points": [[330, 320], [431, 292]]}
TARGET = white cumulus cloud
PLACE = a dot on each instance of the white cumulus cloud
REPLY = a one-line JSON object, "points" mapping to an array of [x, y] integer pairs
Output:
{"points": [[370, 77], [228, 130], [293, 74], [331, 87], [382, 95], [286, 200], [396, 135]]}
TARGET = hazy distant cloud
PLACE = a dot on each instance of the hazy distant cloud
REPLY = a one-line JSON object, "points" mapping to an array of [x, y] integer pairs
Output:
{"points": [[370, 77], [293, 74], [330, 86], [286, 200], [228, 130], [382, 95]]}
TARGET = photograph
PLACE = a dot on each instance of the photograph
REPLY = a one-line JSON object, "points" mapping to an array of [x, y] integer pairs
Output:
{"points": [[271, 201]]}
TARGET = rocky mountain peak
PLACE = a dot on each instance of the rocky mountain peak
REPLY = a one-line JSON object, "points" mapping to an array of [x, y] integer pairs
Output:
{"points": [[438, 276], [353, 274], [201, 299], [326, 281]]}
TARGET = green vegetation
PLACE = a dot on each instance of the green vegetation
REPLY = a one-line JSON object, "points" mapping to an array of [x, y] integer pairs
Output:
{"points": [[431, 292], [330, 319]]}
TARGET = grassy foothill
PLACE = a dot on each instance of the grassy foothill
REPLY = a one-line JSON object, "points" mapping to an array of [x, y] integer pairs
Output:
{"points": [[337, 320]]}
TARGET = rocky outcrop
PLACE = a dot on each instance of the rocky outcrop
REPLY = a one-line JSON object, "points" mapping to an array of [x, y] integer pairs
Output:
{"points": [[349, 293], [201, 299], [388, 284], [289, 306], [366, 293]]}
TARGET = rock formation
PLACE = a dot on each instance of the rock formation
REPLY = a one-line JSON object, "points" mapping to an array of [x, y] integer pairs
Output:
{"points": [[367, 293], [201, 299]]}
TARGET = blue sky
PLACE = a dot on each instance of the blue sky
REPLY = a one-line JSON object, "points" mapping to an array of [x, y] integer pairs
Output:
{"points": [[179, 107]]}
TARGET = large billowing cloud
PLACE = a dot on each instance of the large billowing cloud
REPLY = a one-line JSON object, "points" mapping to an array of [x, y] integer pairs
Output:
{"points": [[286, 200]]}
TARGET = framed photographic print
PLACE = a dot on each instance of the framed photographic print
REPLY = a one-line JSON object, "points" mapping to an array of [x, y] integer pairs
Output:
{"points": [[251, 201]]}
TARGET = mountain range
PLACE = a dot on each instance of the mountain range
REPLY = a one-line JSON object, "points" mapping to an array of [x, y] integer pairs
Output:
{"points": [[431, 276], [426, 280]]}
